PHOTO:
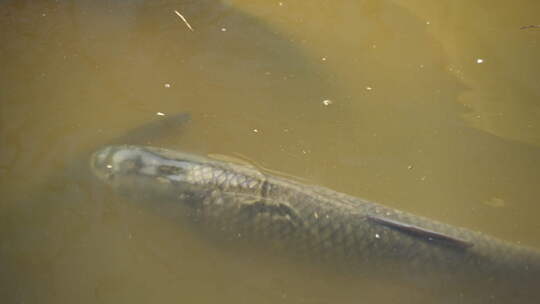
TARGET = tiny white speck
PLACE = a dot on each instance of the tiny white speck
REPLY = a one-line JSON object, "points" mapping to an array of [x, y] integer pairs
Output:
{"points": [[223, 29], [479, 60], [255, 130], [280, 3], [327, 102], [323, 59], [377, 236], [167, 85], [160, 114], [43, 14], [109, 166], [428, 23], [409, 167], [421, 66], [369, 88], [316, 215]]}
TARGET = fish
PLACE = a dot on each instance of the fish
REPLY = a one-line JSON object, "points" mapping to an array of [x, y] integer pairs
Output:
{"points": [[236, 203]]}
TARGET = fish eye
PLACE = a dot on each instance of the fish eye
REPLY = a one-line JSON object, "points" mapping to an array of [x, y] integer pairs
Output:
{"points": [[131, 165]]}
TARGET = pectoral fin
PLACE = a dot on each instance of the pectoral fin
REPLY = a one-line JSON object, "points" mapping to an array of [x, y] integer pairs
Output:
{"points": [[273, 210], [156, 128], [421, 232]]}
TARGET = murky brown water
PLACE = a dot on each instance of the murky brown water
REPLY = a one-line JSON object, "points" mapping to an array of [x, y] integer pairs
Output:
{"points": [[430, 108]]}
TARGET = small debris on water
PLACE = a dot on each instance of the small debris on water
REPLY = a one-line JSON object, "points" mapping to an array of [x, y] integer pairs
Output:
{"points": [[327, 102], [323, 59], [377, 236], [316, 215], [185, 20], [409, 167], [479, 60], [495, 202], [428, 23], [533, 26], [369, 88], [109, 166], [160, 114], [167, 85], [280, 3], [223, 29], [255, 130]]}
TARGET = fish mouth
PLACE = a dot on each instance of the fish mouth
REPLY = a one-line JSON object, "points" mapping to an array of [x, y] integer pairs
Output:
{"points": [[100, 163]]}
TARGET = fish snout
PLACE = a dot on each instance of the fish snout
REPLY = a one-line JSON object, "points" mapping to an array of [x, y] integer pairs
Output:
{"points": [[101, 163]]}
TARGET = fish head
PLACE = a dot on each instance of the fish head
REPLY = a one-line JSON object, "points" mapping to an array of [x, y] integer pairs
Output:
{"points": [[148, 173], [156, 174]]}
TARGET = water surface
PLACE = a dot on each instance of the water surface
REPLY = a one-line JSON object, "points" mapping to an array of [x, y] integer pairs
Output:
{"points": [[429, 108]]}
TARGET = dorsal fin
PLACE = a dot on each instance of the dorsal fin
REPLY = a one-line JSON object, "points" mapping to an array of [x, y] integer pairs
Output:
{"points": [[243, 160], [231, 159], [424, 233]]}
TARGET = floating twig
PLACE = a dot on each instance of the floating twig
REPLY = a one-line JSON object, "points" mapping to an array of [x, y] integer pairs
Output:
{"points": [[184, 19], [529, 27]]}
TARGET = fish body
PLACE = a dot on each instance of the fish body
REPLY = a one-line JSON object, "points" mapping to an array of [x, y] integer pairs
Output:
{"points": [[240, 203]]}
